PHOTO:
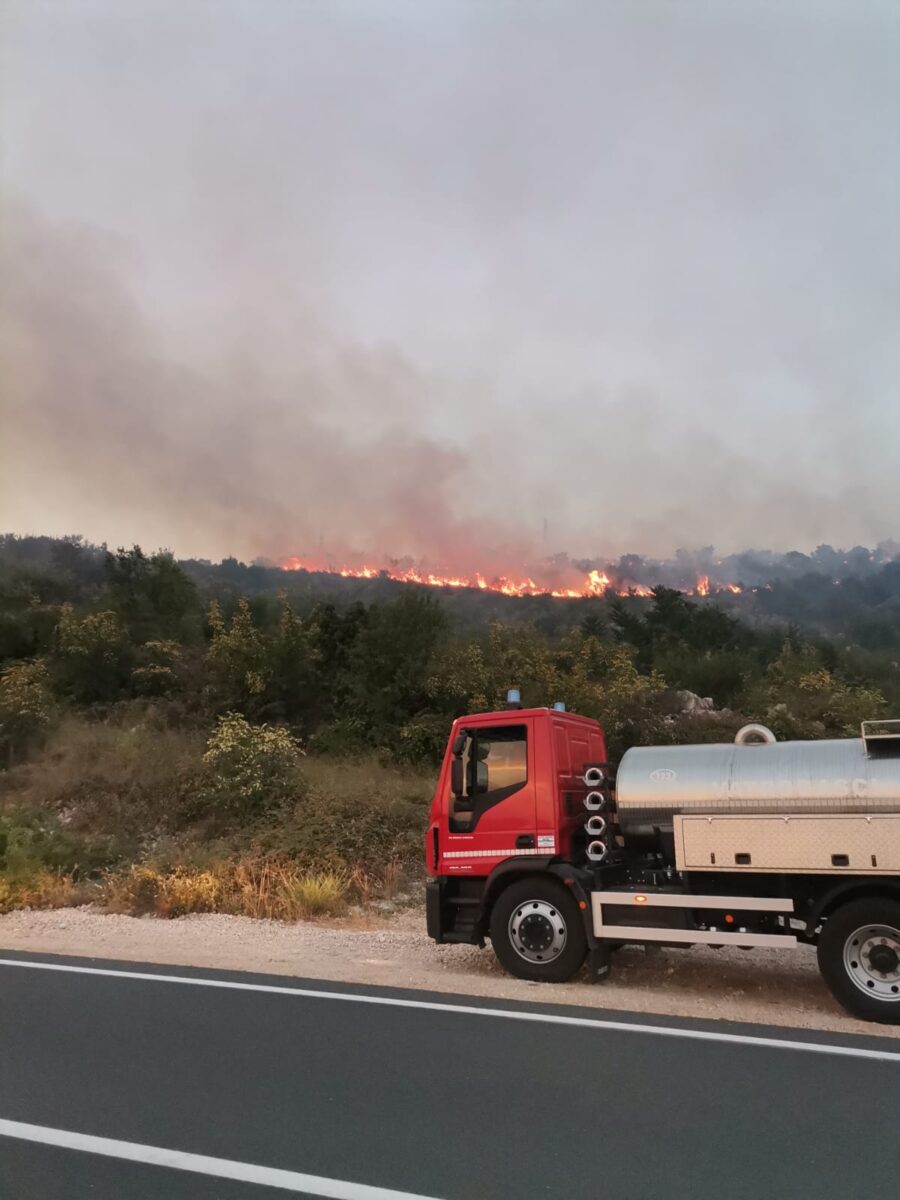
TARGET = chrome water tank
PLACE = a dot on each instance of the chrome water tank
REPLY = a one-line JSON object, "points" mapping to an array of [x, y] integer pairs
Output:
{"points": [[844, 775]]}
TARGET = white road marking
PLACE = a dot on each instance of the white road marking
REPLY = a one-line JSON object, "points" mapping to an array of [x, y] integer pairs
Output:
{"points": [[203, 1164], [701, 1035]]}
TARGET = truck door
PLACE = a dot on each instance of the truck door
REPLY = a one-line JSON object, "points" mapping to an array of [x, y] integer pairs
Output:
{"points": [[494, 817]]}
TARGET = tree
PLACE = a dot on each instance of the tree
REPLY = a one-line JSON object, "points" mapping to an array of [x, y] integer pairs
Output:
{"points": [[334, 634], [91, 657], [593, 625], [591, 676], [698, 647], [236, 659], [293, 682], [601, 679], [391, 661], [801, 698], [153, 596]]}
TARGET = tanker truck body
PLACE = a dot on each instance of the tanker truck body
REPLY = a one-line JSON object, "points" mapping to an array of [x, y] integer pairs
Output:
{"points": [[536, 843], [759, 805]]}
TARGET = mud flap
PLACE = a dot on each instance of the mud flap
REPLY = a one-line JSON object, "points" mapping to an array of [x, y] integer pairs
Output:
{"points": [[598, 962]]}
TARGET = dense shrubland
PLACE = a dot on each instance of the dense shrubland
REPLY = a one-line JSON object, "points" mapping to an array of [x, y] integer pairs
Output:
{"points": [[170, 747]]}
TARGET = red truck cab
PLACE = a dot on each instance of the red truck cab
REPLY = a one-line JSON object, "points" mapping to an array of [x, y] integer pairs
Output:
{"points": [[509, 799]]}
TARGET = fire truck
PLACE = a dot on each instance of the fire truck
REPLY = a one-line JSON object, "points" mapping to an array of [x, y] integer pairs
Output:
{"points": [[537, 843]]}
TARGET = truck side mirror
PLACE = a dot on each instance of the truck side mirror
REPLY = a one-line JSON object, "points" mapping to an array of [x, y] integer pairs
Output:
{"points": [[459, 744], [456, 777]]}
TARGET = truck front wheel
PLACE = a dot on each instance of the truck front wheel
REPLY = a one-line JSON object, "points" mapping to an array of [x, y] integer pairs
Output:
{"points": [[537, 931], [859, 957]]}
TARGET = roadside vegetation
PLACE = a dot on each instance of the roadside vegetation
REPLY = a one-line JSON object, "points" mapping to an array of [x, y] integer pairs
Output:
{"points": [[167, 750]]}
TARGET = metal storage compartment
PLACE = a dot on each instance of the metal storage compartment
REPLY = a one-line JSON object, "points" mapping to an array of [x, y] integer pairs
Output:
{"points": [[819, 844]]}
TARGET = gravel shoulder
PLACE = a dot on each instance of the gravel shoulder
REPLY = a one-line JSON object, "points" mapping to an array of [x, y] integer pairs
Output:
{"points": [[771, 987]]}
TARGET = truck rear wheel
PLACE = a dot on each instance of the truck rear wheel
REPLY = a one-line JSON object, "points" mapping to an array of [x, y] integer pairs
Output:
{"points": [[859, 957], [537, 931]]}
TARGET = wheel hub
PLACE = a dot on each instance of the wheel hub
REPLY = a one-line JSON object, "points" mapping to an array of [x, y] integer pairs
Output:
{"points": [[883, 959], [537, 931], [872, 961]]}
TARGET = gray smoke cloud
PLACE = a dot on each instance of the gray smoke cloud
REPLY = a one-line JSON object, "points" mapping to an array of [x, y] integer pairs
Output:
{"points": [[459, 282], [106, 430]]}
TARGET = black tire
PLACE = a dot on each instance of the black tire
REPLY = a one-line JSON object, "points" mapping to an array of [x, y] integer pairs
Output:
{"points": [[551, 911], [863, 989]]}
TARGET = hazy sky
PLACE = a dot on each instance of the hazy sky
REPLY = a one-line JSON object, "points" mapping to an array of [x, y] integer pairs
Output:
{"points": [[416, 277]]}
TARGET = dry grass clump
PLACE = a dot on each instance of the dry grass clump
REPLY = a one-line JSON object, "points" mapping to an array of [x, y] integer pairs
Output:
{"points": [[263, 887], [43, 888], [141, 890], [115, 779], [252, 887], [313, 893]]}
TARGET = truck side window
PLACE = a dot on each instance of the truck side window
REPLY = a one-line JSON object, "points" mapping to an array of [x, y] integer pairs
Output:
{"points": [[495, 765]]}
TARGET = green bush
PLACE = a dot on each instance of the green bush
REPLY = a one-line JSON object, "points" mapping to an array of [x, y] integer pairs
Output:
{"points": [[27, 707], [367, 832], [357, 813], [248, 768], [422, 740], [159, 672], [340, 738], [118, 781], [32, 839], [91, 656]]}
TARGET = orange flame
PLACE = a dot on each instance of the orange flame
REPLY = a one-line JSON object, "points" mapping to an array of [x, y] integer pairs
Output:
{"points": [[595, 583]]}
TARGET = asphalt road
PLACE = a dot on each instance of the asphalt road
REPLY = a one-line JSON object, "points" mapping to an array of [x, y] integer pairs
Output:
{"points": [[346, 1089]]}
